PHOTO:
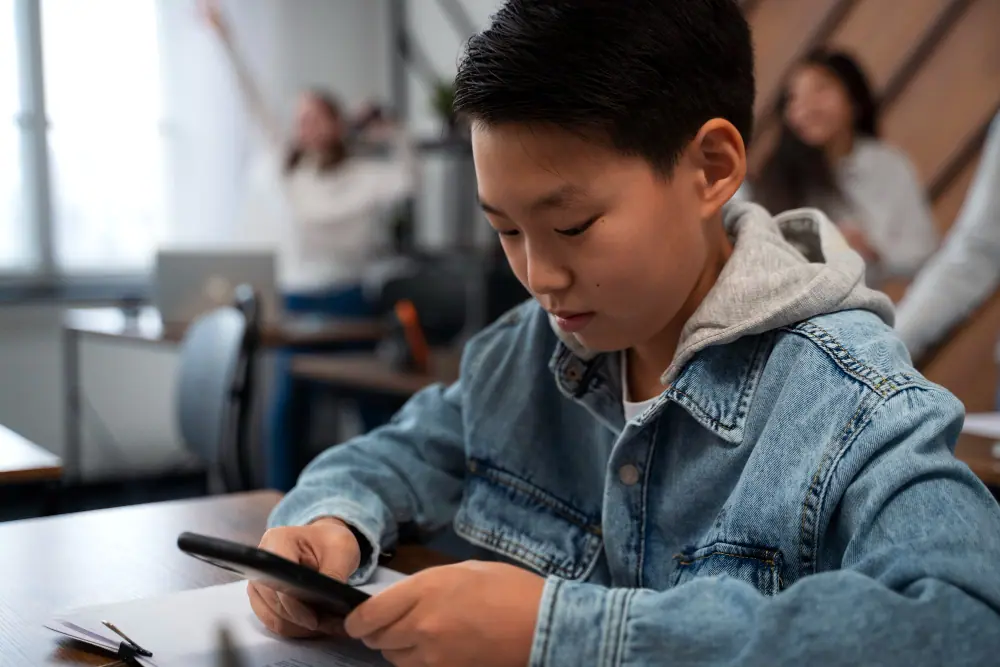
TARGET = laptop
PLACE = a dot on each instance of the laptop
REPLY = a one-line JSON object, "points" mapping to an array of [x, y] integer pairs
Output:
{"points": [[188, 283]]}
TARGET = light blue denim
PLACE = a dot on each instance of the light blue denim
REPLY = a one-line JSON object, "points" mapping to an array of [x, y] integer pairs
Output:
{"points": [[792, 498]]}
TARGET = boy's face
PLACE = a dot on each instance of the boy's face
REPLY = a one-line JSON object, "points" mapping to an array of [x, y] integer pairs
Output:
{"points": [[601, 240]]}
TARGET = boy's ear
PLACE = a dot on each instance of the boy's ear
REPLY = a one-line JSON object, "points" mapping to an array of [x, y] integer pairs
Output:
{"points": [[719, 155]]}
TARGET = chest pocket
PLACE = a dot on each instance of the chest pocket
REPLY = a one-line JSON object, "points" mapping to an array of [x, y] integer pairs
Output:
{"points": [[508, 515], [761, 568]]}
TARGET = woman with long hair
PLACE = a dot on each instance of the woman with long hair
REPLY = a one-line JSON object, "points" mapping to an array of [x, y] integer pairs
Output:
{"points": [[829, 157], [326, 218]]}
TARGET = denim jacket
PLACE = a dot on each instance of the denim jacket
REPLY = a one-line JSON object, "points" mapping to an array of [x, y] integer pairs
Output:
{"points": [[790, 498]]}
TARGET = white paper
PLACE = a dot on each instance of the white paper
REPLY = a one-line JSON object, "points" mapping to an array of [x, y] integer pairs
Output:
{"points": [[181, 630], [986, 425]]}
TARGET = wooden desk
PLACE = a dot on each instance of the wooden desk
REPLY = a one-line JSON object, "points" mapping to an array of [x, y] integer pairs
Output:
{"points": [[23, 461], [148, 328], [366, 372], [78, 560], [977, 453]]}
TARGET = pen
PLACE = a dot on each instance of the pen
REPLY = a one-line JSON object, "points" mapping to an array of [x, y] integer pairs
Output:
{"points": [[228, 655], [132, 645]]}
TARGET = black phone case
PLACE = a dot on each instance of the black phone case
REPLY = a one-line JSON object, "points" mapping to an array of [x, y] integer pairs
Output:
{"points": [[315, 589]]}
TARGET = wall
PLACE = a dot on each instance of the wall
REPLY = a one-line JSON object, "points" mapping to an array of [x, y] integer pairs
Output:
{"points": [[340, 44]]}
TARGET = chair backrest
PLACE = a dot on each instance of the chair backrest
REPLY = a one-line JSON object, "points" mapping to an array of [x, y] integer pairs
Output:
{"points": [[438, 287], [215, 389]]}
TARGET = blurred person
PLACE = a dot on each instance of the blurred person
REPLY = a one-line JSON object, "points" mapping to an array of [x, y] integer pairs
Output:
{"points": [[328, 216], [700, 443], [334, 199], [967, 268], [829, 157]]}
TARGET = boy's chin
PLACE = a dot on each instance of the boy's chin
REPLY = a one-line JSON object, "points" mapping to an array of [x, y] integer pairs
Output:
{"points": [[600, 342]]}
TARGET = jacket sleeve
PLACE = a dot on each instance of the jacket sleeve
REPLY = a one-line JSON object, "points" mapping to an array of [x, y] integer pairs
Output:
{"points": [[967, 269], [908, 573], [409, 471]]}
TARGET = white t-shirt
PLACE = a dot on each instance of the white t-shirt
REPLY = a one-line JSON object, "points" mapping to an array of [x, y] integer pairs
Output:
{"points": [[326, 225], [632, 409]]}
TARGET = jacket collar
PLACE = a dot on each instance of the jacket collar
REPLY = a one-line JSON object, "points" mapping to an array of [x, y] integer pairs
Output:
{"points": [[716, 387]]}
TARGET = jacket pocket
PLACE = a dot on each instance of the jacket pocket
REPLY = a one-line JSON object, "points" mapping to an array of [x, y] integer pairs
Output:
{"points": [[759, 567], [505, 513]]}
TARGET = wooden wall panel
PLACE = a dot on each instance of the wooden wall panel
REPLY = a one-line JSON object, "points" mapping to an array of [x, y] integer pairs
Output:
{"points": [[965, 365], [782, 29], [950, 202], [883, 33], [952, 95], [764, 141]]}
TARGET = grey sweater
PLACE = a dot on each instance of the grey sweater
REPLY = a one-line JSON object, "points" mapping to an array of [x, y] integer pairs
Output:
{"points": [[967, 268]]}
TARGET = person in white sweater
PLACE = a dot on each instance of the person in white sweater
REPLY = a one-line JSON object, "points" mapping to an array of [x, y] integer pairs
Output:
{"points": [[967, 268], [328, 226], [829, 157], [323, 212]]}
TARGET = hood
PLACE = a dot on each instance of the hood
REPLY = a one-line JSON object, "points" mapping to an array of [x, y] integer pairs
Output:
{"points": [[783, 270]]}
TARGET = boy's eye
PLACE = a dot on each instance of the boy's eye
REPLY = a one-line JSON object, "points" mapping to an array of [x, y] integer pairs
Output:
{"points": [[579, 229], [508, 232]]}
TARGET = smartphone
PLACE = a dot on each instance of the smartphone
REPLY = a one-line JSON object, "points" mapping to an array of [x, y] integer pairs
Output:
{"points": [[317, 590]]}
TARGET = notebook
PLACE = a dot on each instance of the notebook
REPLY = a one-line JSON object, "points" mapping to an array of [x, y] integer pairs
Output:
{"points": [[181, 630]]}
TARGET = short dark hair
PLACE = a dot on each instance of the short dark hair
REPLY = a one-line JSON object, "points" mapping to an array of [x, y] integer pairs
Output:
{"points": [[642, 74]]}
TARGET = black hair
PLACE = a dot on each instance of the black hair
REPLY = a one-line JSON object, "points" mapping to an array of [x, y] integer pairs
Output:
{"points": [[335, 153], [643, 75], [795, 172]]}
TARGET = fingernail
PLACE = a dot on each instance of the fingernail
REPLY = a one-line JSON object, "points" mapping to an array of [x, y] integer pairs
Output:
{"points": [[307, 621], [349, 626]]}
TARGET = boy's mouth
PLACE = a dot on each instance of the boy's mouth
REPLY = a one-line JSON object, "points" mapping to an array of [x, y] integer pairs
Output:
{"points": [[572, 322]]}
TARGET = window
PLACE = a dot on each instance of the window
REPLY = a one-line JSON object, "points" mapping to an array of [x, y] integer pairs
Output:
{"points": [[102, 93], [17, 251], [92, 203]]}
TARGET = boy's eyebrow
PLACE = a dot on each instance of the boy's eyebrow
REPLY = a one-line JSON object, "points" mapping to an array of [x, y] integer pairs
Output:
{"points": [[561, 197]]}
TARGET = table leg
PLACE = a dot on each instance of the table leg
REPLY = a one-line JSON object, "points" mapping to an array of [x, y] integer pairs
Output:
{"points": [[71, 381]]}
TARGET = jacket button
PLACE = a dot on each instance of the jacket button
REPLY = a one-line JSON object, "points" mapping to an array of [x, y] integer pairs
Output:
{"points": [[628, 474]]}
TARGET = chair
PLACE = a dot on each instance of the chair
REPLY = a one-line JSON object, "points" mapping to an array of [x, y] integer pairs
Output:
{"points": [[439, 288], [215, 390]]}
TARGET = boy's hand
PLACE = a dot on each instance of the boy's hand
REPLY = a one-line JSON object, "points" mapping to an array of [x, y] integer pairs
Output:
{"points": [[326, 545], [472, 613]]}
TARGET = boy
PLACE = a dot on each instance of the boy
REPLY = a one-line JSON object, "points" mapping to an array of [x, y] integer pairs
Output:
{"points": [[701, 440]]}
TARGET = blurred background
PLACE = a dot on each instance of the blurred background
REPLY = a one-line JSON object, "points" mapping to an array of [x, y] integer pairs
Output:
{"points": [[136, 195]]}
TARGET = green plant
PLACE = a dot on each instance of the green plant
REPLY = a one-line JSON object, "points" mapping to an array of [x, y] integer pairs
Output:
{"points": [[443, 100]]}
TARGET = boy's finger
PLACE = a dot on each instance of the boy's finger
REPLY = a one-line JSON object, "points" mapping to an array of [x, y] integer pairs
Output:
{"points": [[396, 636], [272, 621], [384, 609], [403, 657], [298, 612]]}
